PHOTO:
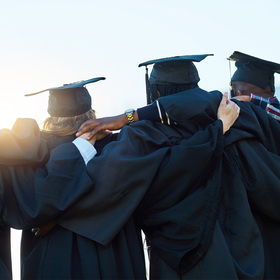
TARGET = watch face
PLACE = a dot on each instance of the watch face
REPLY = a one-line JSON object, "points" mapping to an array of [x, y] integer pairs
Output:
{"points": [[129, 111]]}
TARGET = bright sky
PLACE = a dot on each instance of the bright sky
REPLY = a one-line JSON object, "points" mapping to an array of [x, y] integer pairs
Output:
{"points": [[49, 43]]}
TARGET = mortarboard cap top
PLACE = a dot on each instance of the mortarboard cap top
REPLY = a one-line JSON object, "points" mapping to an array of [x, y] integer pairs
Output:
{"points": [[195, 58], [254, 70], [70, 85], [70, 99], [174, 70]]}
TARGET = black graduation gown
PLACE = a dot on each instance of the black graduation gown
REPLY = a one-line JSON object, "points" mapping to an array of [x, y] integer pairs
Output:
{"points": [[28, 201], [23, 155], [129, 188], [63, 254], [173, 147], [21, 145], [236, 249], [255, 161], [262, 172], [148, 146], [136, 162]]}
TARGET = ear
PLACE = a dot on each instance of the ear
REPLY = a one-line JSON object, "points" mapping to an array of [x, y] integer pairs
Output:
{"points": [[158, 94]]}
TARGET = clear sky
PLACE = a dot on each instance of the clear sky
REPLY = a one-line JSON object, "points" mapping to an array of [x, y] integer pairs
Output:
{"points": [[49, 43]]}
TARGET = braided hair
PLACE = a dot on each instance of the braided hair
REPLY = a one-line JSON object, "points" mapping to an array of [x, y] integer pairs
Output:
{"points": [[166, 89]]}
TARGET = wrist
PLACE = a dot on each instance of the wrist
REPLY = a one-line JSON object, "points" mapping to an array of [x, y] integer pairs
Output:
{"points": [[224, 125], [124, 120]]}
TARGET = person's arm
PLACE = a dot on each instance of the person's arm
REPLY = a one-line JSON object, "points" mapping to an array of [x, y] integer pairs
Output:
{"points": [[86, 148], [273, 108], [227, 111], [156, 113], [259, 101], [153, 112], [271, 105], [33, 195], [23, 144], [103, 124], [130, 166], [87, 151]]}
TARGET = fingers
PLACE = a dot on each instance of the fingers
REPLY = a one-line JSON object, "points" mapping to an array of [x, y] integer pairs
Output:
{"points": [[225, 99], [232, 104], [36, 231], [238, 109], [94, 132], [86, 123], [91, 135], [234, 108], [228, 113], [93, 125], [86, 126], [43, 230], [83, 129]]}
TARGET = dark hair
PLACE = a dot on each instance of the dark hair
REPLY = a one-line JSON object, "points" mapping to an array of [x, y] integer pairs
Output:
{"points": [[165, 90]]}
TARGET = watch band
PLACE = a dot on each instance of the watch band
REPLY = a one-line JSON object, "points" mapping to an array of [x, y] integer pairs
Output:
{"points": [[129, 115]]}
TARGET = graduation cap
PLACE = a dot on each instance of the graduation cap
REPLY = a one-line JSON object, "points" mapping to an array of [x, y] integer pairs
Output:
{"points": [[254, 70], [174, 70], [70, 99]]}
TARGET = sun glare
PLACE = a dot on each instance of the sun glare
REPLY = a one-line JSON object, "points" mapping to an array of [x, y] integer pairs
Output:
{"points": [[12, 108]]}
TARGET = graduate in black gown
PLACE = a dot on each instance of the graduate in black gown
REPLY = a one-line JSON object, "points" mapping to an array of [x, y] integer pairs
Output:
{"points": [[228, 245], [253, 81], [259, 180], [18, 146], [23, 152], [63, 254], [88, 215]]}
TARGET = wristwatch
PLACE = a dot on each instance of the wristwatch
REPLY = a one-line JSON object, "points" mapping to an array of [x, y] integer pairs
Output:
{"points": [[129, 115]]}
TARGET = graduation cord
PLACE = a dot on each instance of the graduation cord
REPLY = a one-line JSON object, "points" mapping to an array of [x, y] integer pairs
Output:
{"points": [[230, 90], [148, 90], [229, 69]]}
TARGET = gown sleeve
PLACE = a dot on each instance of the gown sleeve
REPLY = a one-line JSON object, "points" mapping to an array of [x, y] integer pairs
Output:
{"points": [[23, 144], [200, 108], [34, 195], [146, 172]]}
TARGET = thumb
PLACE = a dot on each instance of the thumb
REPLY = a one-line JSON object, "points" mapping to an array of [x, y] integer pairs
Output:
{"points": [[225, 98]]}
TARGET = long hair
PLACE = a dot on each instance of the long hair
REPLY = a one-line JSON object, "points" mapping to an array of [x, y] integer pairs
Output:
{"points": [[64, 126], [169, 89]]}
